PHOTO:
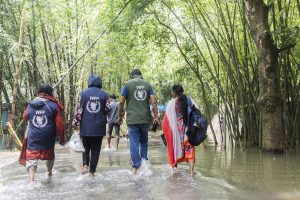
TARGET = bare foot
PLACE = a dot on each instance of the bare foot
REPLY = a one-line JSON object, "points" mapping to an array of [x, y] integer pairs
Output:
{"points": [[92, 174], [50, 173], [134, 171], [192, 174], [84, 170]]}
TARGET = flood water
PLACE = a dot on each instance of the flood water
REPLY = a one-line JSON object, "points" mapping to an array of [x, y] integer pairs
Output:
{"points": [[220, 174]]}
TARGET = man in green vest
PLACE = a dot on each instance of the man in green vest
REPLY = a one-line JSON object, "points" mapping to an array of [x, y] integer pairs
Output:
{"points": [[138, 95]]}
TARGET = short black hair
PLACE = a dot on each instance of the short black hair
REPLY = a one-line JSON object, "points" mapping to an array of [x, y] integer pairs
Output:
{"points": [[113, 96], [136, 72], [46, 88]]}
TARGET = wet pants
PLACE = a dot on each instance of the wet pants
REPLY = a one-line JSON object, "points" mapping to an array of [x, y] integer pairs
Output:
{"points": [[138, 134], [34, 163], [92, 146]]}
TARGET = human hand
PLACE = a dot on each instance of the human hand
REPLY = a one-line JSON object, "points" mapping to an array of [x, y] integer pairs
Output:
{"points": [[156, 121], [155, 124], [74, 125]]}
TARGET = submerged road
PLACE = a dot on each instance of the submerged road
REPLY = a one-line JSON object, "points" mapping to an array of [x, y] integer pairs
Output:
{"points": [[220, 174]]}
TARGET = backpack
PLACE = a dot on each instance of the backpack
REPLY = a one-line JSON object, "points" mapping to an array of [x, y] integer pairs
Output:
{"points": [[197, 125]]}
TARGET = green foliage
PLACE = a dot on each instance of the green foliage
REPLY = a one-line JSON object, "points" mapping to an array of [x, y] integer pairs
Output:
{"points": [[205, 45]]}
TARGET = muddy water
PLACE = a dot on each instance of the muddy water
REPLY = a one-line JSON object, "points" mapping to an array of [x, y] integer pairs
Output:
{"points": [[220, 174]]}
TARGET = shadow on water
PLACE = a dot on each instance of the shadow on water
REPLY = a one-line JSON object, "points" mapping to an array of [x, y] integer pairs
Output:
{"points": [[220, 174]]}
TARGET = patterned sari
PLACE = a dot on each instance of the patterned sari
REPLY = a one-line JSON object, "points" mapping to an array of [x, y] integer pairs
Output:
{"points": [[187, 149], [179, 148]]}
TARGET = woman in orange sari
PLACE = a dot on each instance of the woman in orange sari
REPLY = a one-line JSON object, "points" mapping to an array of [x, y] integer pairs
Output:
{"points": [[174, 126]]}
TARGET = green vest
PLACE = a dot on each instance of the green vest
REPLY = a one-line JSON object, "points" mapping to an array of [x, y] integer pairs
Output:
{"points": [[137, 101]]}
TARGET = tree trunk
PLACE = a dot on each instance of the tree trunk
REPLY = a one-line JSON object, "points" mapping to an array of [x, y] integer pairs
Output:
{"points": [[1, 72], [1, 85], [270, 97]]}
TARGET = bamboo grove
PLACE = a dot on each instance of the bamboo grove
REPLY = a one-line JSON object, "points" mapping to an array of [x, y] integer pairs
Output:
{"points": [[211, 46]]}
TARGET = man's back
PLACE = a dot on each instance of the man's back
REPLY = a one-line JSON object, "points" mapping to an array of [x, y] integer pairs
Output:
{"points": [[137, 93], [112, 116]]}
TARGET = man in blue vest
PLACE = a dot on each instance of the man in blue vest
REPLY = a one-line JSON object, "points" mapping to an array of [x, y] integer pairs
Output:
{"points": [[92, 108], [45, 121], [138, 93]]}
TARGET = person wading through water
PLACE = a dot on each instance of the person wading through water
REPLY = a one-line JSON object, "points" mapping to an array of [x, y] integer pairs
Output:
{"points": [[138, 93], [175, 126], [45, 122], [112, 120], [91, 110]]}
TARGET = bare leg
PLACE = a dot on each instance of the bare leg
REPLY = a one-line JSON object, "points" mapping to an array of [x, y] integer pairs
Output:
{"points": [[108, 141], [49, 164], [191, 164], [117, 141], [31, 173], [31, 166]]}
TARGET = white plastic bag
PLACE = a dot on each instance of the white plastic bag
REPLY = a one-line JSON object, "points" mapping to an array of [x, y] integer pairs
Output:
{"points": [[75, 143]]}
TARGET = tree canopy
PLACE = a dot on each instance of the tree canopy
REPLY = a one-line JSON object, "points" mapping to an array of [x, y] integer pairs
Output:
{"points": [[205, 45]]}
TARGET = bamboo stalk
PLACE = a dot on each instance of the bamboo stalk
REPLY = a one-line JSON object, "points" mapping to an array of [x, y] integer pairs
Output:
{"points": [[14, 135], [18, 62], [93, 44]]}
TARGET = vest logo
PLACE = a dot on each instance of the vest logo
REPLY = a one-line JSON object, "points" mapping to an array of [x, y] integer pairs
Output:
{"points": [[93, 105], [140, 93], [39, 119]]}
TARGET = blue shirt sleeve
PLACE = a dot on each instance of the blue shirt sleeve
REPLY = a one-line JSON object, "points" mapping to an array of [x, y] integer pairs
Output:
{"points": [[151, 91], [124, 91]]}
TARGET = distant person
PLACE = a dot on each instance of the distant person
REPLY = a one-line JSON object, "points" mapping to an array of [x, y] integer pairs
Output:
{"points": [[44, 122], [138, 93], [175, 125], [112, 120], [222, 128], [92, 108]]}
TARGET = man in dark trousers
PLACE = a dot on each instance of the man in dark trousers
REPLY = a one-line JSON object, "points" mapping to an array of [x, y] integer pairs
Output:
{"points": [[44, 123], [112, 120], [138, 93], [92, 108]]}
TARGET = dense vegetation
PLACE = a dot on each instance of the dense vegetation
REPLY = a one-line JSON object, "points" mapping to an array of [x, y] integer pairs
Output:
{"points": [[209, 46]]}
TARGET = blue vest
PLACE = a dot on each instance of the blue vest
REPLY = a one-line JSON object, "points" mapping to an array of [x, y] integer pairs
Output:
{"points": [[93, 118], [42, 130]]}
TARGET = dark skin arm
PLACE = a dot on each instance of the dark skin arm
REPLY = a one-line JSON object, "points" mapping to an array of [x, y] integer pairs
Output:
{"points": [[121, 111], [154, 109]]}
